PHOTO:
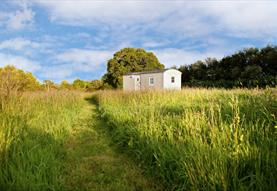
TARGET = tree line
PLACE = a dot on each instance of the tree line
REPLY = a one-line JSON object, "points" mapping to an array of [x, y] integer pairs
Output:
{"points": [[249, 68], [77, 84], [13, 81]]}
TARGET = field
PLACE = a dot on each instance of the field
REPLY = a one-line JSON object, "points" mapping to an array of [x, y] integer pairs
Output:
{"points": [[198, 139], [195, 139]]}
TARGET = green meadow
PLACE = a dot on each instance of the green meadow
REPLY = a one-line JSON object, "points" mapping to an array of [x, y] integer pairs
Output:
{"points": [[194, 139], [198, 139]]}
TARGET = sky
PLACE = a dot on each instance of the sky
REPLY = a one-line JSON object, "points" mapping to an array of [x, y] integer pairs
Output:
{"points": [[65, 40]]}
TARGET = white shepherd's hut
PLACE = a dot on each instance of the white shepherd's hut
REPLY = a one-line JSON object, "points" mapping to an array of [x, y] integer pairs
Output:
{"points": [[156, 79]]}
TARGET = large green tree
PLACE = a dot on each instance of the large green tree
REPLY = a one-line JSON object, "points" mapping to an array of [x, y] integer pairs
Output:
{"points": [[129, 60]]}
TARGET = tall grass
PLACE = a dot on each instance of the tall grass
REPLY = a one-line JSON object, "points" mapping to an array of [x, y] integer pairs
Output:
{"points": [[198, 139], [33, 129]]}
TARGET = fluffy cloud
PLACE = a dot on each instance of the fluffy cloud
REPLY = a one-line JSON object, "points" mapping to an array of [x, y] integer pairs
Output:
{"points": [[18, 44], [27, 47], [155, 44], [246, 19], [90, 12], [19, 19], [67, 64], [56, 73], [19, 62], [83, 59]]}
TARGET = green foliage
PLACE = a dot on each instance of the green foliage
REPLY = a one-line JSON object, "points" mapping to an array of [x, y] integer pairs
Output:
{"points": [[65, 85], [251, 72], [79, 84], [13, 78], [13, 82], [247, 68], [95, 85], [89, 86], [129, 60], [49, 85], [198, 139]]}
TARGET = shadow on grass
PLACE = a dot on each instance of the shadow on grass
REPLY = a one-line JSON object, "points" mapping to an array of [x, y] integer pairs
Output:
{"points": [[33, 159], [92, 100]]}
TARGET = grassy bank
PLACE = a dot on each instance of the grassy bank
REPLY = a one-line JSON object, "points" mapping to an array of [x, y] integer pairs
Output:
{"points": [[33, 129], [198, 139]]}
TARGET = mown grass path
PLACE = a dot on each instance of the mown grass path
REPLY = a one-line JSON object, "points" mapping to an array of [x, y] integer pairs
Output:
{"points": [[92, 162]]}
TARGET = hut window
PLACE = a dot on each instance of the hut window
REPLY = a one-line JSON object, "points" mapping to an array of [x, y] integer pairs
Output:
{"points": [[172, 79], [151, 81]]}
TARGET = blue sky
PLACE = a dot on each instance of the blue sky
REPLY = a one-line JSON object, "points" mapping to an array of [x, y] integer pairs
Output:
{"points": [[63, 39]]}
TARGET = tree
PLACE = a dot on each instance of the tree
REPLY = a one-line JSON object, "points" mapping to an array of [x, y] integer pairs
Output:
{"points": [[186, 75], [79, 84], [13, 78], [65, 85], [95, 85], [269, 60], [211, 66], [198, 70], [249, 67], [251, 72], [14, 81], [129, 60], [49, 84]]}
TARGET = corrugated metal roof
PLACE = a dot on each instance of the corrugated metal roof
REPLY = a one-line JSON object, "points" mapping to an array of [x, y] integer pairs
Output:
{"points": [[145, 72]]}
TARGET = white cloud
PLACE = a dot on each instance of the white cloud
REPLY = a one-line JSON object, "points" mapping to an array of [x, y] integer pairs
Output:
{"points": [[186, 19], [176, 57], [18, 44], [83, 59], [29, 47], [18, 19], [56, 73], [245, 18], [90, 12], [19, 62], [154, 44], [68, 63]]}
